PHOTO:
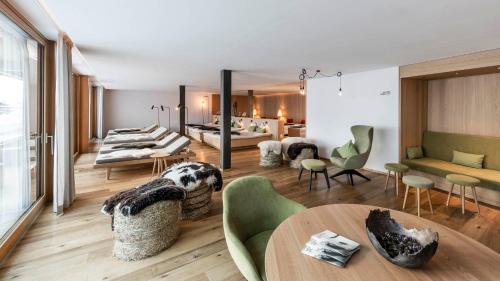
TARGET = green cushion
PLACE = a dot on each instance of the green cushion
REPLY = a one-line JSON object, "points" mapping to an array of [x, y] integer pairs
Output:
{"points": [[256, 245], [489, 178], [468, 159], [260, 130], [313, 164], [347, 150], [462, 180], [414, 152], [419, 182], [441, 145], [252, 128], [396, 167]]}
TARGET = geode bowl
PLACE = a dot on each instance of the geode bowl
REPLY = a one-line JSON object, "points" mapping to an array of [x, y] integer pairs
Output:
{"points": [[401, 246]]}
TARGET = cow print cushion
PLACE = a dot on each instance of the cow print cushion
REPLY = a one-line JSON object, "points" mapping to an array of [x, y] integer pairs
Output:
{"points": [[190, 175]]}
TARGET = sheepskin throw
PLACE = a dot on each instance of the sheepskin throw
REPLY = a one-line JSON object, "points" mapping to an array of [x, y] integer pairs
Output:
{"points": [[296, 148], [127, 130], [137, 145], [191, 174], [133, 201], [269, 146]]}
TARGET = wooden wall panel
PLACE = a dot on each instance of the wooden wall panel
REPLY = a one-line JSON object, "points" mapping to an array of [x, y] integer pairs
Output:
{"points": [[241, 104], [413, 113], [292, 105], [465, 105]]}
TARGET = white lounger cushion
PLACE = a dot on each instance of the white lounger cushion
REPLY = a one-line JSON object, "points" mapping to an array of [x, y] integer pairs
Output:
{"points": [[127, 138], [178, 145], [124, 155], [150, 128], [158, 144]]}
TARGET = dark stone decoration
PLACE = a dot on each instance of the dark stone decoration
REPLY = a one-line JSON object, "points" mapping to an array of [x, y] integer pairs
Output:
{"points": [[401, 246]]}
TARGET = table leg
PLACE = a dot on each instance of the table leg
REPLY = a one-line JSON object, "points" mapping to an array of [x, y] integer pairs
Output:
{"points": [[108, 173], [397, 184], [418, 201], [449, 194], [475, 197], [406, 196], [462, 191], [429, 198], [325, 172], [387, 180], [154, 167]]}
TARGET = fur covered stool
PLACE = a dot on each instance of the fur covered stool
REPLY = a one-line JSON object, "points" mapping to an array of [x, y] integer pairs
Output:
{"points": [[145, 219], [270, 153], [199, 180], [301, 151]]}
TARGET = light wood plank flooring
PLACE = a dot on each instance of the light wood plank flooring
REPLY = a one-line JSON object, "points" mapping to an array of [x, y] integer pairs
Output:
{"points": [[78, 245]]}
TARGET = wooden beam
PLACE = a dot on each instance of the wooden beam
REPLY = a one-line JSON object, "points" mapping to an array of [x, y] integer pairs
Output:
{"points": [[250, 103], [225, 128], [182, 110]]}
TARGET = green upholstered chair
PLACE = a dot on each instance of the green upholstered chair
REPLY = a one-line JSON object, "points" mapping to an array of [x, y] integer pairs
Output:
{"points": [[363, 138], [252, 209]]}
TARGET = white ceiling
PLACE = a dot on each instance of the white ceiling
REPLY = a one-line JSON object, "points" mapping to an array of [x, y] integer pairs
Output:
{"points": [[160, 44]]}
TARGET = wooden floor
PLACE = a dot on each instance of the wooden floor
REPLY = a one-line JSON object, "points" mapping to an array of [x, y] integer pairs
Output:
{"points": [[78, 245]]}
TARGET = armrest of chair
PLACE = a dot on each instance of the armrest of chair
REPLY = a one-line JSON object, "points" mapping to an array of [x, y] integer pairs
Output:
{"points": [[356, 161]]}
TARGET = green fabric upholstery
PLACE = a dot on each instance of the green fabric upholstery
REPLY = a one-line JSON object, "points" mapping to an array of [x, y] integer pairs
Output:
{"points": [[252, 209], [441, 145], [313, 164], [414, 152], [363, 138], [418, 182], [468, 159], [260, 130], [396, 167], [347, 150], [462, 180], [489, 178]]}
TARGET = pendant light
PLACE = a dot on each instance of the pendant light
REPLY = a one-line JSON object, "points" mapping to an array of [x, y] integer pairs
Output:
{"points": [[339, 75]]}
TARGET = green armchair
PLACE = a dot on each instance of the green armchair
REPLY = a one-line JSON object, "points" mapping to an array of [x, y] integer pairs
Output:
{"points": [[252, 209], [363, 138]]}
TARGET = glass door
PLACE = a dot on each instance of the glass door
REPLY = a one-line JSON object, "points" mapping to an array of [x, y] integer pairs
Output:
{"points": [[20, 123]]}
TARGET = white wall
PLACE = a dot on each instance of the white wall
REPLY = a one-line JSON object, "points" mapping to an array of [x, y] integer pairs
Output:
{"points": [[124, 108], [329, 116]]}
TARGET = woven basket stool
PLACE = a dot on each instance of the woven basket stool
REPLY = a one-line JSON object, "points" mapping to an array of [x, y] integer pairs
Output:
{"points": [[270, 153], [147, 233], [197, 202], [306, 153]]}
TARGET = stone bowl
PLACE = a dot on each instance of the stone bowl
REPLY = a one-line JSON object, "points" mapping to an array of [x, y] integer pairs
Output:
{"points": [[404, 247]]}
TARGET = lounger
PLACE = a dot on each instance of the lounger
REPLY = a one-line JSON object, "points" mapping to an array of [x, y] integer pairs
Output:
{"points": [[122, 158], [138, 145], [126, 131], [129, 138]]}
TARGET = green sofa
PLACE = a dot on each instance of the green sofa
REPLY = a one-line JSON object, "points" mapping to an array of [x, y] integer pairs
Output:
{"points": [[438, 152]]}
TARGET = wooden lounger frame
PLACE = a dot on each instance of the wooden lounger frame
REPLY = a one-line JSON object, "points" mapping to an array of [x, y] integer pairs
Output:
{"points": [[184, 155]]}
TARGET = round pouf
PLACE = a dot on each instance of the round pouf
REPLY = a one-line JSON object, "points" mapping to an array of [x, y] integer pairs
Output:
{"points": [[462, 181], [419, 183], [270, 153], [306, 153], [199, 180], [143, 235], [398, 170]]}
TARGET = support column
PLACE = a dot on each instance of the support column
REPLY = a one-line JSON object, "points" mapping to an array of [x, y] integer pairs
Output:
{"points": [[225, 112], [250, 104], [182, 110]]}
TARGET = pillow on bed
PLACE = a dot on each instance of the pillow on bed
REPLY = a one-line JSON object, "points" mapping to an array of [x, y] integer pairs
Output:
{"points": [[252, 127], [260, 130]]}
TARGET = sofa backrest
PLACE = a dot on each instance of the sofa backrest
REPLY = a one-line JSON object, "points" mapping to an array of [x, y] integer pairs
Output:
{"points": [[440, 146]]}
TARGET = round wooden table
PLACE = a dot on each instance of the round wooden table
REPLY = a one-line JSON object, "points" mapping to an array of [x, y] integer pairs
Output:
{"points": [[458, 257], [159, 163]]}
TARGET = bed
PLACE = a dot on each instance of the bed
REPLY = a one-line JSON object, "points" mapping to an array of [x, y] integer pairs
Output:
{"points": [[124, 131], [245, 139], [170, 138], [196, 132], [121, 158], [130, 138]]}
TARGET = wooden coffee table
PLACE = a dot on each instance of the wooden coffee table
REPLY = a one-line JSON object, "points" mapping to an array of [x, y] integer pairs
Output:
{"points": [[458, 257]]}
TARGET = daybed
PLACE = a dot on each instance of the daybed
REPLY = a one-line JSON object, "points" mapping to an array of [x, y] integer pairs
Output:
{"points": [[438, 153], [177, 151], [244, 139], [129, 138], [123, 131], [138, 145]]}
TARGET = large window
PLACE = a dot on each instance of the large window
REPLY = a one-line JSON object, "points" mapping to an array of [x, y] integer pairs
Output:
{"points": [[20, 123]]}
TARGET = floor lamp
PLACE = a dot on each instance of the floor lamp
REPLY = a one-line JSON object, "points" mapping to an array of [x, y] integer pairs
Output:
{"points": [[157, 112], [167, 107]]}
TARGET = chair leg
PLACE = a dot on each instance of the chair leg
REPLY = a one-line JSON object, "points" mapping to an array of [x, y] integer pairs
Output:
{"points": [[406, 196], [449, 194], [154, 167], [418, 202], [352, 180], [310, 179], [387, 180], [325, 172], [355, 172], [301, 170], [475, 197], [397, 183], [315, 175], [429, 198], [462, 191]]}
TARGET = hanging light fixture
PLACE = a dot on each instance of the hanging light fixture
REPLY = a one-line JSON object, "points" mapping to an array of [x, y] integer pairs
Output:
{"points": [[303, 76], [339, 75]]}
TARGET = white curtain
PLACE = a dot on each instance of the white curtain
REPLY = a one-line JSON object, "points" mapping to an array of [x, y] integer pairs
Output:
{"points": [[99, 109], [15, 172], [64, 183]]}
